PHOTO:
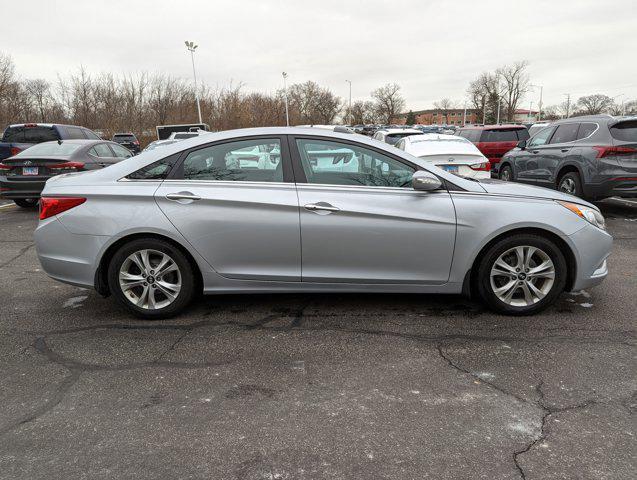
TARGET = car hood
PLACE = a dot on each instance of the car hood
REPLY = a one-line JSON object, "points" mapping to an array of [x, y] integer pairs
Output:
{"points": [[498, 187]]}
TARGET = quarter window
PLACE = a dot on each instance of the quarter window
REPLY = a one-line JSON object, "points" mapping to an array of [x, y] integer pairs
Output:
{"points": [[565, 133], [243, 161], [333, 163], [101, 150]]}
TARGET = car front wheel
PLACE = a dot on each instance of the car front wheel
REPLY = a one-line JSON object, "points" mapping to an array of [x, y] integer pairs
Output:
{"points": [[151, 278], [506, 174], [571, 183], [521, 275]]}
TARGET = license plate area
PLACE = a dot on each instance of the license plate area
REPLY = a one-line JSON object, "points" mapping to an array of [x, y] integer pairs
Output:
{"points": [[29, 170], [450, 168]]}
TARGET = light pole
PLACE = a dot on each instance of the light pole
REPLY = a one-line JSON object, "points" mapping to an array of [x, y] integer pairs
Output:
{"points": [[539, 106], [191, 48], [568, 104], [464, 116], [285, 93], [350, 101]]}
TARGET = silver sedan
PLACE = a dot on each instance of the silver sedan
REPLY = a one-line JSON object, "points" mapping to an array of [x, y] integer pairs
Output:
{"points": [[294, 209]]}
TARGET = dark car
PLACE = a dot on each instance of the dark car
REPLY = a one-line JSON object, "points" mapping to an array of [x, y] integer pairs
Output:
{"points": [[21, 136], [592, 157], [127, 140], [22, 177], [494, 140]]}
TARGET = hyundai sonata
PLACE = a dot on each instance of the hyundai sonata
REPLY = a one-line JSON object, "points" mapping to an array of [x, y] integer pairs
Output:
{"points": [[261, 211]]}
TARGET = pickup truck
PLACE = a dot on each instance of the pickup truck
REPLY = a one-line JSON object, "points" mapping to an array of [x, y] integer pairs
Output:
{"points": [[21, 136]]}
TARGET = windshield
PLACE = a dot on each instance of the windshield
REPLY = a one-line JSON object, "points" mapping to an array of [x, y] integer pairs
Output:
{"points": [[50, 148]]}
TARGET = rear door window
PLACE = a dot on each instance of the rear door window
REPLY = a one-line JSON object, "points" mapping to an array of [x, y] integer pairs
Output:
{"points": [[565, 133], [27, 134], [586, 130], [625, 131]]}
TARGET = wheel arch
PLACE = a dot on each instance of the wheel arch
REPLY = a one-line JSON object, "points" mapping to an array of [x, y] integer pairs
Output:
{"points": [[101, 273], [567, 168], [470, 278]]}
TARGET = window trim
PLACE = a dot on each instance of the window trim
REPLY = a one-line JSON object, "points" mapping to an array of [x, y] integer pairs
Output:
{"points": [[299, 173], [177, 172], [560, 125], [591, 134]]}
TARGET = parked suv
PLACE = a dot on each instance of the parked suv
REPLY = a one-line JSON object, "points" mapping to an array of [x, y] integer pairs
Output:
{"points": [[592, 157], [21, 136], [494, 140], [128, 140]]}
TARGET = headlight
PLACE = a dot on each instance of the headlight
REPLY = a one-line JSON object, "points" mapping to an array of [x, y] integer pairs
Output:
{"points": [[591, 215]]}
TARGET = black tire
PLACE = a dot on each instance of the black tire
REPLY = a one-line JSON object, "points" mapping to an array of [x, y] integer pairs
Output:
{"points": [[571, 183], [483, 277], [506, 174], [185, 270], [26, 202]]}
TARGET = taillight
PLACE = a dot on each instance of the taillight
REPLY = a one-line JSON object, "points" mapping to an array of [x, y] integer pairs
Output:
{"points": [[136, 142], [5, 167], [14, 151], [484, 166], [50, 206], [66, 166], [607, 151]]}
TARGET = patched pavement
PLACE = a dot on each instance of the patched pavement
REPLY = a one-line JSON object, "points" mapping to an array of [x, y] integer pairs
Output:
{"points": [[315, 386]]}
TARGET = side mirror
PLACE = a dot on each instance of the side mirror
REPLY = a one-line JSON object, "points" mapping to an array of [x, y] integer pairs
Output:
{"points": [[425, 181], [522, 144]]}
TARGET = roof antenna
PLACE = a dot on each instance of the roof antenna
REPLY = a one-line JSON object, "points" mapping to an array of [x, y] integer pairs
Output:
{"points": [[59, 142]]}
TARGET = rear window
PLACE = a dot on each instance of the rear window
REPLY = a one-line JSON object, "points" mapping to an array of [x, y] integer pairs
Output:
{"points": [[393, 138], [75, 133], [625, 131], [50, 148], [36, 134], [124, 138], [504, 135], [182, 136]]}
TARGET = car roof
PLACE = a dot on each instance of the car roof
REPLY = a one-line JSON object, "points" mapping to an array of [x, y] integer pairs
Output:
{"points": [[493, 127], [400, 130], [38, 124]]}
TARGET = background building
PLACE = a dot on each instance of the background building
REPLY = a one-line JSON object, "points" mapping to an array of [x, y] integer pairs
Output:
{"points": [[434, 116]]}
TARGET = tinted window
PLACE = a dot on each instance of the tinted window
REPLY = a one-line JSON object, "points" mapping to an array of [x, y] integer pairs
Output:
{"points": [[586, 130], [37, 134], [90, 134], [333, 163], [565, 133], [124, 138], [523, 134], [244, 161], [625, 131], [75, 133], [500, 135], [541, 137], [155, 171], [120, 151], [101, 150], [183, 136]]}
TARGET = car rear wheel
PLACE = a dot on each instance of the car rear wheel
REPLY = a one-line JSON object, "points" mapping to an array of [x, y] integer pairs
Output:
{"points": [[521, 275], [571, 183], [506, 174], [151, 278], [26, 202]]}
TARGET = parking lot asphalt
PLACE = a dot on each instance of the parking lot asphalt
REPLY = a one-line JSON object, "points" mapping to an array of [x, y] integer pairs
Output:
{"points": [[315, 386]]}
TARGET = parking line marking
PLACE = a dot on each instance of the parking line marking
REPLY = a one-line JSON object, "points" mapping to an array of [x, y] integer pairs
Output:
{"points": [[8, 205]]}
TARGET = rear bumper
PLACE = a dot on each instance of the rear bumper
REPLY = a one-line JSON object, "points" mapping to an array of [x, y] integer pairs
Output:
{"points": [[65, 256], [10, 188], [614, 187]]}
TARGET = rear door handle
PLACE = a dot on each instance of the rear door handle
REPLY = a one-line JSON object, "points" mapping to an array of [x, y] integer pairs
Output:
{"points": [[564, 150], [321, 206], [182, 196], [535, 151]]}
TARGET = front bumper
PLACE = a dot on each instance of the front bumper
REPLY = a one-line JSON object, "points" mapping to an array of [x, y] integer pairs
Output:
{"points": [[591, 247], [21, 187]]}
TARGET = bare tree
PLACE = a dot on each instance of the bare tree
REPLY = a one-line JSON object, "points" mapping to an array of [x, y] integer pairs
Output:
{"points": [[516, 83], [444, 106], [309, 103], [483, 96], [593, 104], [388, 102]]}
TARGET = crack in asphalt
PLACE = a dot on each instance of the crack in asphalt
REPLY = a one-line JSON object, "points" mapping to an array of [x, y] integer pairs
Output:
{"points": [[21, 252]]}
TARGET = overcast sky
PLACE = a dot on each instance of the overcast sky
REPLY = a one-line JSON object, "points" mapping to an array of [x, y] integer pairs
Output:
{"points": [[433, 49]]}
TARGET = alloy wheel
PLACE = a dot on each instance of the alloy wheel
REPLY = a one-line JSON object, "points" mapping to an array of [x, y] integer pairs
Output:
{"points": [[522, 276], [150, 279], [506, 175], [568, 185]]}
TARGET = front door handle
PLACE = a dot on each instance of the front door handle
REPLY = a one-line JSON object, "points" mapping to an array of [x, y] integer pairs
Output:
{"points": [[564, 150], [182, 196], [321, 206], [535, 151]]}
